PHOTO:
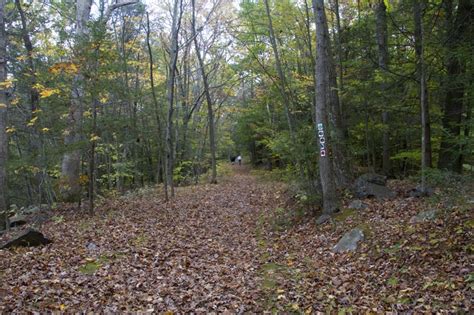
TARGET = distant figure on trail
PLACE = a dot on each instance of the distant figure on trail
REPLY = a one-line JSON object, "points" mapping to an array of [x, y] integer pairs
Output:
{"points": [[232, 159], [239, 159]]}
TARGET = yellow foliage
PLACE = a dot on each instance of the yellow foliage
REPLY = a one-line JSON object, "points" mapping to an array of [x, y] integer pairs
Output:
{"points": [[10, 129], [32, 122], [45, 129], [48, 92], [87, 114], [38, 86], [6, 84], [66, 67], [15, 101], [3, 105], [83, 180], [94, 137]]}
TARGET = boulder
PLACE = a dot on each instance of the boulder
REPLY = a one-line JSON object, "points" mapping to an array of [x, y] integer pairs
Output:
{"points": [[26, 238], [349, 241], [373, 178], [365, 189], [323, 219], [417, 192], [31, 210], [17, 220], [357, 205], [425, 216]]}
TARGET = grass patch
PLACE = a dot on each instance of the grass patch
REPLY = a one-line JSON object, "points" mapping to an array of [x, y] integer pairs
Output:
{"points": [[344, 214], [90, 267]]}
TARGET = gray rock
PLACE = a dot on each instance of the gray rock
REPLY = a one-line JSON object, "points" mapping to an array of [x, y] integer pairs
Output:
{"points": [[374, 178], [31, 210], [349, 241], [425, 216], [323, 219], [17, 220], [418, 192], [92, 247], [26, 238], [365, 189], [357, 205]]}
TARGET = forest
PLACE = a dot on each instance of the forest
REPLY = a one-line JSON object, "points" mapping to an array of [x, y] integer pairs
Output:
{"points": [[120, 126]]}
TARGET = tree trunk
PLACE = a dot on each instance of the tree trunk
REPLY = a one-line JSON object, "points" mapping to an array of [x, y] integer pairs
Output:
{"points": [[169, 159], [70, 168], [157, 107], [3, 120], [330, 198], [382, 43], [450, 155], [424, 106], [210, 112]]}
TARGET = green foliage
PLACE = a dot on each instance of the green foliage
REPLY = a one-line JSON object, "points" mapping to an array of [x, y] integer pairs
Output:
{"points": [[183, 173]]}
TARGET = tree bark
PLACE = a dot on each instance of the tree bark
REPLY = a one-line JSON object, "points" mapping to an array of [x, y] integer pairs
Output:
{"points": [[382, 43], [457, 29], [330, 198], [3, 120], [70, 168], [424, 105]]}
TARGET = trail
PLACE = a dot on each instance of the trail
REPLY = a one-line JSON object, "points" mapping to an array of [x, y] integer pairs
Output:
{"points": [[242, 246], [198, 252]]}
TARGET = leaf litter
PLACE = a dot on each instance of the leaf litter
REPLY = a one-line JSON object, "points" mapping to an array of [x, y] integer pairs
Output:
{"points": [[223, 248]]}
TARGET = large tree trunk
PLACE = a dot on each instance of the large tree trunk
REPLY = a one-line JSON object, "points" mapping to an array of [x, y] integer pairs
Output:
{"points": [[382, 43], [3, 120], [209, 101], [70, 168], [330, 198], [457, 29], [424, 106]]}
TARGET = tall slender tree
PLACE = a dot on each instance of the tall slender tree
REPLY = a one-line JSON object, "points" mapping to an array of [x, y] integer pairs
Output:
{"points": [[170, 87], [3, 118], [209, 100], [418, 7], [382, 44]]}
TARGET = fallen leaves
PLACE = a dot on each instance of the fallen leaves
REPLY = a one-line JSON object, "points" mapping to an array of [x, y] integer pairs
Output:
{"points": [[219, 248]]}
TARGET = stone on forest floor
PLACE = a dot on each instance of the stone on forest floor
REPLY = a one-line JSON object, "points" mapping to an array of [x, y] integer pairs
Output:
{"points": [[31, 210], [374, 178], [349, 241], [17, 220], [417, 192], [26, 238], [357, 204], [424, 216], [370, 186], [323, 219]]}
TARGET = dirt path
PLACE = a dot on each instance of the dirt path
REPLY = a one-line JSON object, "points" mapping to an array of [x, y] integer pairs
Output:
{"points": [[196, 253]]}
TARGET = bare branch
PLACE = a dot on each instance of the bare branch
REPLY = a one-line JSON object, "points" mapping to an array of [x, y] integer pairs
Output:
{"points": [[116, 5]]}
